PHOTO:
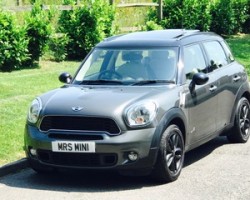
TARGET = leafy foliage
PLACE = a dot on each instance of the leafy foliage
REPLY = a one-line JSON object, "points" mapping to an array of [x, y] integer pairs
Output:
{"points": [[190, 14], [13, 43], [246, 25], [57, 45], [80, 27], [241, 14], [86, 25], [221, 16], [151, 25], [229, 16], [38, 31]]}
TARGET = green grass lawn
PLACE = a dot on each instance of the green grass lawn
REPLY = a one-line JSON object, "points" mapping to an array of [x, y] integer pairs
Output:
{"points": [[19, 88], [240, 46]]}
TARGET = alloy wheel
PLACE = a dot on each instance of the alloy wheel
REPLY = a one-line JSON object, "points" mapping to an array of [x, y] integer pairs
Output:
{"points": [[174, 152]]}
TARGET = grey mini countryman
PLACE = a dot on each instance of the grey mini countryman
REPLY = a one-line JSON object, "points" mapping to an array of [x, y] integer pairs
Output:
{"points": [[138, 102]]}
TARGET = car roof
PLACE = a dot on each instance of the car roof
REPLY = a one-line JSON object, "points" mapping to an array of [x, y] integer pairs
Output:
{"points": [[158, 38]]}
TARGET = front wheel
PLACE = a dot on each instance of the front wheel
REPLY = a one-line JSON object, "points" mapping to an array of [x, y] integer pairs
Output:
{"points": [[171, 155], [241, 130]]}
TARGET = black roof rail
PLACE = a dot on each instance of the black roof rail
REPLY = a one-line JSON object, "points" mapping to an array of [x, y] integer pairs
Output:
{"points": [[186, 33]]}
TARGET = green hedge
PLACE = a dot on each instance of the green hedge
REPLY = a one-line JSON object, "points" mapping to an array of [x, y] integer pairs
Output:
{"points": [[13, 43], [38, 31], [191, 14], [78, 31], [221, 16], [229, 16], [85, 26]]}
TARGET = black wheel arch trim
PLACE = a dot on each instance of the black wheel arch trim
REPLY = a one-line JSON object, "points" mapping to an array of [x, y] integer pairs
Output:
{"points": [[172, 116], [243, 91]]}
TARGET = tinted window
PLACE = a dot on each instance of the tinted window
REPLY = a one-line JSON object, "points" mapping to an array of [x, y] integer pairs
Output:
{"points": [[216, 55], [193, 60], [228, 51]]}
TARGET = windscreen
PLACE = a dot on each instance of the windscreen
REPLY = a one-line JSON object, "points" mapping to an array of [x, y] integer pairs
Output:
{"points": [[129, 65]]}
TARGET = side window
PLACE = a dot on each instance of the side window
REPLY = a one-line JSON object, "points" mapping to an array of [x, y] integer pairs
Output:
{"points": [[193, 60], [228, 51], [216, 55]]}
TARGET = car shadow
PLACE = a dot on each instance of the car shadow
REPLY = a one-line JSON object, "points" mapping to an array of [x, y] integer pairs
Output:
{"points": [[98, 181], [204, 150]]}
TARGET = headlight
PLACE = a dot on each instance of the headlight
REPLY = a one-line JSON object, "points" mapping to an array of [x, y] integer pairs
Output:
{"points": [[34, 110], [141, 114]]}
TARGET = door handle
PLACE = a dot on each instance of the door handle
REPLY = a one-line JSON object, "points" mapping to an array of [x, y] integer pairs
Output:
{"points": [[212, 88], [236, 78]]}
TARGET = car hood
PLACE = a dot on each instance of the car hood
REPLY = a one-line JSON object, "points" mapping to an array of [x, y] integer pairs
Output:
{"points": [[95, 101]]}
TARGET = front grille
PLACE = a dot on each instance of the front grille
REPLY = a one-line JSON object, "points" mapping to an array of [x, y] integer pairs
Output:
{"points": [[77, 159], [79, 124], [63, 136]]}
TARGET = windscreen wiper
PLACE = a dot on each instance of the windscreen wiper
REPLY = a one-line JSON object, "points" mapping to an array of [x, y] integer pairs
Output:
{"points": [[145, 82], [101, 81]]}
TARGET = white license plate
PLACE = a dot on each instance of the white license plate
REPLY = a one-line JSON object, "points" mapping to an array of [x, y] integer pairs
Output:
{"points": [[76, 147]]}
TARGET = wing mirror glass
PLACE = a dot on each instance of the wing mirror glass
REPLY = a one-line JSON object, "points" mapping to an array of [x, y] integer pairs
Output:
{"points": [[65, 77], [198, 79]]}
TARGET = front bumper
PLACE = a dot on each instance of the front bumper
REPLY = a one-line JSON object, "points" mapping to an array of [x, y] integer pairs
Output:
{"points": [[111, 152]]}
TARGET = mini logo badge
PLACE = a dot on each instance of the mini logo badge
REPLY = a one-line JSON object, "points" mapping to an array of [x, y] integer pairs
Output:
{"points": [[77, 108]]}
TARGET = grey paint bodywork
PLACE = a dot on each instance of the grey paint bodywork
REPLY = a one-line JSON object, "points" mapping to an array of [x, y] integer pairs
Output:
{"points": [[201, 115]]}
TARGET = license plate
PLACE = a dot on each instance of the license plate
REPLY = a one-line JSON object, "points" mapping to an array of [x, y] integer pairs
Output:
{"points": [[75, 147]]}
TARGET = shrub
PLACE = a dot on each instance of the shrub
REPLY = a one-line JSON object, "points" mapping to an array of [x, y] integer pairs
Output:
{"points": [[246, 25], [80, 27], [229, 16], [172, 14], [151, 25], [13, 43], [105, 14], [189, 14], [240, 8], [38, 32], [85, 26], [221, 16], [57, 45]]}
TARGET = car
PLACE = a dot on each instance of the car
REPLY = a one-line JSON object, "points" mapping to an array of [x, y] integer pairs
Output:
{"points": [[138, 103]]}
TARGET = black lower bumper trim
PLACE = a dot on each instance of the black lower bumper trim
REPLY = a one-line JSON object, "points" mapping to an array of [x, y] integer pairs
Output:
{"points": [[77, 159]]}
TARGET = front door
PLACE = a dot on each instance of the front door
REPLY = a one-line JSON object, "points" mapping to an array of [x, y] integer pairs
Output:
{"points": [[201, 103]]}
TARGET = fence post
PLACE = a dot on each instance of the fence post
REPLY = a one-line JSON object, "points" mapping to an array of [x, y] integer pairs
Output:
{"points": [[19, 2], [160, 15]]}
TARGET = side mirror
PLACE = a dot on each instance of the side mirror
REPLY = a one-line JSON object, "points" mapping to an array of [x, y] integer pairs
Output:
{"points": [[198, 79], [65, 77]]}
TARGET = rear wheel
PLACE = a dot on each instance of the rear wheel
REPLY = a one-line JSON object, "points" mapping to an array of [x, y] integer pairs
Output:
{"points": [[240, 132], [171, 155]]}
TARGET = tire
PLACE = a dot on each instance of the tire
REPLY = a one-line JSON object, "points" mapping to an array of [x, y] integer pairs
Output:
{"points": [[170, 157], [241, 130]]}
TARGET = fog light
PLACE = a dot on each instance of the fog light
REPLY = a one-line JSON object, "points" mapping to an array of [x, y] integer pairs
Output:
{"points": [[132, 156], [33, 152]]}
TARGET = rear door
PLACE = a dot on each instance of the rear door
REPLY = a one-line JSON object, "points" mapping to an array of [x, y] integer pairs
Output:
{"points": [[230, 77]]}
